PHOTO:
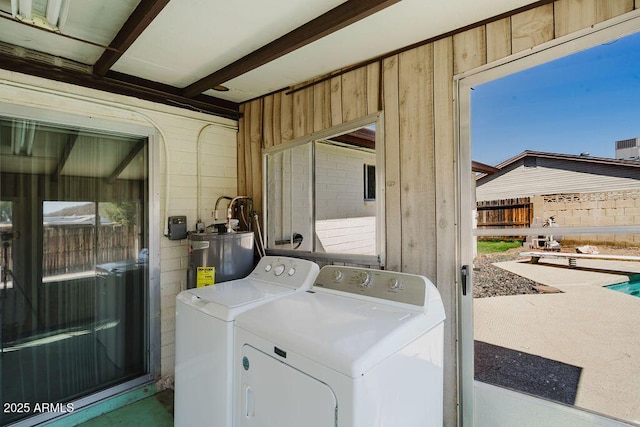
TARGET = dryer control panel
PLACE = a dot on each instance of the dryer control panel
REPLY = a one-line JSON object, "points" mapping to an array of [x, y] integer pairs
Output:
{"points": [[285, 271], [388, 285]]}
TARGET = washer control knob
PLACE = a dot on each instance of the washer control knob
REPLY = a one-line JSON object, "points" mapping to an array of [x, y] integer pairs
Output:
{"points": [[291, 271], [279, 270], [394, 284], [337, 275], [363, 279], [268, 268]]}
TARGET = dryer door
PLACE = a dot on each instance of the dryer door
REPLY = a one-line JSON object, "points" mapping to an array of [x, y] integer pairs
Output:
{"points": [[276, 394]]}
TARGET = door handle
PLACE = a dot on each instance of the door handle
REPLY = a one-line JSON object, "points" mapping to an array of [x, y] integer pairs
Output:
{"points": [[249, 403], [464, 272]]}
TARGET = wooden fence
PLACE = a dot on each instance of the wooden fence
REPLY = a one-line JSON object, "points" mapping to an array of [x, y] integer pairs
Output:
{"points": [[74, 248], [506, 213]]}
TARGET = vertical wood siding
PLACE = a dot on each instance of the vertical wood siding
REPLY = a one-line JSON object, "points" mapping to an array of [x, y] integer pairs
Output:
{"points": [[445, 204], [391, 104], [499, 39], [415, 90], [417, 183], [532, 28]]}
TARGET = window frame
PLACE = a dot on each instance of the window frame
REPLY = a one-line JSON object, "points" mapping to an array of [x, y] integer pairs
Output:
{"points": [[377, 119]]}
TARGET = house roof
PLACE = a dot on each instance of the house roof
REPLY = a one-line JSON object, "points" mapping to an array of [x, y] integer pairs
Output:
{"points": [[554, 156], [533, 173], [176, 52], [571, 157], [483, 168]]}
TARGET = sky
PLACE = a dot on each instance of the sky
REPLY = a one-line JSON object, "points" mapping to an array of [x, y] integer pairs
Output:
{"points": [[580, 103], [51, 207]]}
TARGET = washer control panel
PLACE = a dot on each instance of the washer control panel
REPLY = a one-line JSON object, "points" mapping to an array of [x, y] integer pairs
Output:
{"points": [[387, 285], [287, 271]]}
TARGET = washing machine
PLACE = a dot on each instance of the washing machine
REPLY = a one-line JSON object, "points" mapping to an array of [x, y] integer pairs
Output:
{"points": [[362, 348], [204, 335]]}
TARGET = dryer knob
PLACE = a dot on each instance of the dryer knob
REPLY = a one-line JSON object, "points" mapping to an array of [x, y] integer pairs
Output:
{"points": [[363, 280], [291, 271], [279, 270], [268, 268], [394, 284]]}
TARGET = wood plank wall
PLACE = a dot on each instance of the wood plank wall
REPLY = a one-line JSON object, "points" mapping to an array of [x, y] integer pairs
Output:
{"points": [[415, 90]]}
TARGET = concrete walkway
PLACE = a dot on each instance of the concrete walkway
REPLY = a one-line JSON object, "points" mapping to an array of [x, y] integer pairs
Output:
{"points": [[586, 325], [555, 272]]}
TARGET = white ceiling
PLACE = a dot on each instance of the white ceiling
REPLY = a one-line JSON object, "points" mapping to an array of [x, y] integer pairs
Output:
{"points": [[189, 39], [91, 20]]}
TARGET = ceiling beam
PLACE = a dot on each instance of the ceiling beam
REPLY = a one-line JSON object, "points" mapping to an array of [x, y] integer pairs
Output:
{"points": [[125, 162], [72, 137], [337, 18], [174, 93], [123, 84], [140, 18]]}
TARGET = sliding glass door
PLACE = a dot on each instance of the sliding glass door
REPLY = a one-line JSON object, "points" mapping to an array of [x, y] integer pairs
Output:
{"points": [[74, 286]]}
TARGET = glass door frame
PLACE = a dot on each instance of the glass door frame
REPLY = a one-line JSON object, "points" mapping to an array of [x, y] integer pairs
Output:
{"points": [[153, 221], [463, 84]]}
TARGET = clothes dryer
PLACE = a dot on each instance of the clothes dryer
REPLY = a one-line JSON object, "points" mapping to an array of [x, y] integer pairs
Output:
{"points": [[362, 348]]}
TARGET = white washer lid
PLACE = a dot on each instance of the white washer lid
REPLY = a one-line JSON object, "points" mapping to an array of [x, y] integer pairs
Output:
{"points": [[347, 334], [225, 300]]}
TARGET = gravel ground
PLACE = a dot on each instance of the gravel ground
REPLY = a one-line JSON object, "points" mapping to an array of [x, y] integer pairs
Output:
{"points": [[492, 281]]}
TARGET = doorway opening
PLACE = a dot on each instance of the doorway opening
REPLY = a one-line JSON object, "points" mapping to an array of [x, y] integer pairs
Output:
{"points": [[554, 223]]}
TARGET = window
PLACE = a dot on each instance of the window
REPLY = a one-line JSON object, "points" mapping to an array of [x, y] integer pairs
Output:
{"points": [[314, 193], [369, 182]]}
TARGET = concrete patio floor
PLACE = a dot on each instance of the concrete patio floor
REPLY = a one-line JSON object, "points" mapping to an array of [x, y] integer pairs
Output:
{"points": [[586, 326]]}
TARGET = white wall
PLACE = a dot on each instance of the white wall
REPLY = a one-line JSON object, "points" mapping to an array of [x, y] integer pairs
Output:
{"points": [[340, 182], [345, 222], [348, 235], [185, 134]]}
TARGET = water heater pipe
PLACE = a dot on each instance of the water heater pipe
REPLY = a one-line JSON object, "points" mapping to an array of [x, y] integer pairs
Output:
{"points": [[230, 210]]}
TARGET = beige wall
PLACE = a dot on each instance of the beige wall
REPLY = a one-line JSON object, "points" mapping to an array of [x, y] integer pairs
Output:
{"points": [[415, 90], [605, 208]]}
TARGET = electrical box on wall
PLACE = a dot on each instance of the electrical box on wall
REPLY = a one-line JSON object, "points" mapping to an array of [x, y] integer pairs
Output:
{"points": [[177, 228]]}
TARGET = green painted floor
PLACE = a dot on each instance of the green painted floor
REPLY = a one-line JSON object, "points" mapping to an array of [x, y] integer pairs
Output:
{"points": [[156, 410]]}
